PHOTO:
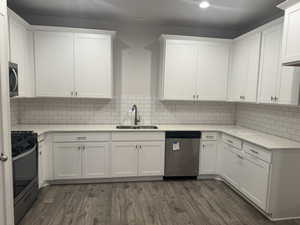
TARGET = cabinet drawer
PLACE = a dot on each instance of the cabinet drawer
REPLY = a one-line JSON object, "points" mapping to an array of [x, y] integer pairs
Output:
{"points": [[138, 136], [257, 152], [83, 136], [209, 136], [232, 141]]}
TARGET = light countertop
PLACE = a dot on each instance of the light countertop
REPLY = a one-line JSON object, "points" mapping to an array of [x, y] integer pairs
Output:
{"points": [[267, 141]]}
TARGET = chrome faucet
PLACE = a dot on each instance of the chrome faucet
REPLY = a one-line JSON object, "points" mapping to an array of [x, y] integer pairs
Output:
{"points": [[136, 119]]}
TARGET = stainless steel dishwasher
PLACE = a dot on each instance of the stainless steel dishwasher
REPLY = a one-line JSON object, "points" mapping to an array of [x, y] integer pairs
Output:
{"points": [[182, 154]]}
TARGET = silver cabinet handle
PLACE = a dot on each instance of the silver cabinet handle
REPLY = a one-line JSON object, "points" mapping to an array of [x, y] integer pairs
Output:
{"points": [[136, 147], [229, 141], [209, 136], [81, 138], [79, 148], [140, 147], [272, 98], [3, 157], [76, 93], [241, 157], [72, 93], [83, 147], [255, 152]]}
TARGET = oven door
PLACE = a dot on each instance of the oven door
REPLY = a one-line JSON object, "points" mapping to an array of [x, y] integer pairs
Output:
{"points": [[25, 172], [13, 80]]}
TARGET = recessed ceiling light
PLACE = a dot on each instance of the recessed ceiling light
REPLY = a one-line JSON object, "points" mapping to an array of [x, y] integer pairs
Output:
{"points": [[204, 4]]}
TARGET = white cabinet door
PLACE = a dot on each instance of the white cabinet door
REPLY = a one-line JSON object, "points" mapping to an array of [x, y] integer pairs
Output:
{"points": [[213, 63], [289, 84], [270, 64], [151, 158], [21, 53], [255, 180], [124, 159], [95, 160], [67, 161], [2, 7], [208, 157], [41, 165], [93, 65], [54, 64], [243, 76], [231, 165], [291, 44], [180, 70]]}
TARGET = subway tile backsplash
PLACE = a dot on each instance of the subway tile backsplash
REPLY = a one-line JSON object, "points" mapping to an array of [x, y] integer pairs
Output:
{"points": [[282, 121], [118, 110], [277, 120]]}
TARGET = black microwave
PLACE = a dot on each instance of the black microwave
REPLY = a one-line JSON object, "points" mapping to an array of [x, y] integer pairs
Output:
{"points": [[13, 80]]}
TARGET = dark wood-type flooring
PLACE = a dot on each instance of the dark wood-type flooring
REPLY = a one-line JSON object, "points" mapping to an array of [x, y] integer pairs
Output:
{"points": [[205, 202]]}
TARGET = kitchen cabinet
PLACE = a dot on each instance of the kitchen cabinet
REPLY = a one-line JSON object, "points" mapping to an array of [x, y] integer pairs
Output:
{"points": [[194, 68], [124, 159], [73, 64], [151, 159], [130, 159], [180, 70], [255, 180], [244, 70], [54, 64], [21, 53], [3, 7], [95, 160], [232, 165], [67, 161], [93, 65], [291, 33], [208, 157], [41, 163], [81, 160], [278, 84]]}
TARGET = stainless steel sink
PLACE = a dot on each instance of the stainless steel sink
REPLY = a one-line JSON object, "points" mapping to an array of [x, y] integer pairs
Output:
{"points": [[137, 127]]}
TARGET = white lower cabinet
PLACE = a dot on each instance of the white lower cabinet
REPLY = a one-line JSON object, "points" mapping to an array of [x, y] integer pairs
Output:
{"points": [[95, 160], [247, 171], [151, 159], [208, 157], [131, 159], [231, 165], [124, 159], [255, 180], [67, 161], [80, 160]]}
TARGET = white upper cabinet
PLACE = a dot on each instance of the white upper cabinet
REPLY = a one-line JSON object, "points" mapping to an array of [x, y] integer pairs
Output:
{"points": [[54, 64], [194, 68], [243, 76], [180, 70], [21, 53], [291, 34], [278, 84], [213, 62], [270, 63], [73, 64], [93, 65], [3, 7]]}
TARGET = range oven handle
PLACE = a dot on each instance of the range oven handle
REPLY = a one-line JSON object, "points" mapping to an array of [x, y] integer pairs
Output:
{"points": [[25, 153], [16, 78]]}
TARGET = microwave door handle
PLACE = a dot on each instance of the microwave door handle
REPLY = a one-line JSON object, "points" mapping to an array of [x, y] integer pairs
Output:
{"points": [[16, 77]]}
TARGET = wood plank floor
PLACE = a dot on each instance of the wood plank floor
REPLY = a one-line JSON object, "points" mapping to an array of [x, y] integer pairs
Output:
{"points": [[146, 203]]}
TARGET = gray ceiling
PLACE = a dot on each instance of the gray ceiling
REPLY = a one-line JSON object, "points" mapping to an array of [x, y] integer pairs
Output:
{"points": [[225, 14]]}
